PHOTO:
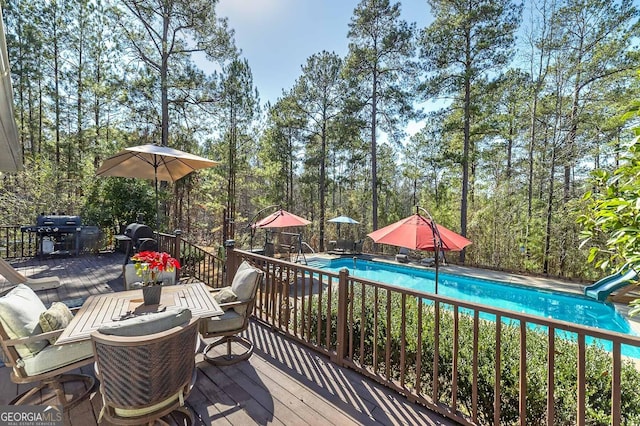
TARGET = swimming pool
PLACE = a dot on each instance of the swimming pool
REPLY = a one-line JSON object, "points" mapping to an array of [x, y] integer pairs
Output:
{"points": [[543, 303]]}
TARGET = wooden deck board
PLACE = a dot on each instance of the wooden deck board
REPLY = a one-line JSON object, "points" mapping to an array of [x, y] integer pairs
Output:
{"points": [[283, 383]]}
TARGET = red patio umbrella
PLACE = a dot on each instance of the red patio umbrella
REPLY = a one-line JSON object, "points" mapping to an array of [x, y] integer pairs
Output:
{"points": [[281, 219], [420, 233], [416, 232]]}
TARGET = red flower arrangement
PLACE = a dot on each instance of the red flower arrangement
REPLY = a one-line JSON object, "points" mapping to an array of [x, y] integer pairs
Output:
{"points": [[150, 263]]}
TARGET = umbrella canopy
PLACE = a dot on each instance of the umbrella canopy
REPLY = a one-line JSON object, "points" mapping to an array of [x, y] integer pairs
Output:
{"points": [[343, 219], [281, 219], [153, 162], [415, 232]]}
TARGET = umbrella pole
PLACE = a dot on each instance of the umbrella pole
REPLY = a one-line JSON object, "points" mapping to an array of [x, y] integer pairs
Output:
{"points": [[155, 169], [437, 241], [437, 255]]}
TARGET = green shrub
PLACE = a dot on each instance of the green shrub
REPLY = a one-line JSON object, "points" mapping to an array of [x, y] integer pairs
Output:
{"points": [[598, 361]]}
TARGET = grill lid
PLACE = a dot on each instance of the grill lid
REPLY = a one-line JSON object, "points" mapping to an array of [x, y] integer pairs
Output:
{"points": [[58, 220], [136, 231]]}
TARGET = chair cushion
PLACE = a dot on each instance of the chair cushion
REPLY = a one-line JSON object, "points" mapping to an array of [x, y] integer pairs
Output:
{"points": [[229, 321], [57, 317], [245, 281], [20, 311], [138, 412], [147, 324], [225, 295], [53, 357]]}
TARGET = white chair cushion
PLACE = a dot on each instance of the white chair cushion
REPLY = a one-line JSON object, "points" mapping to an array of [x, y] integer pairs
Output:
{"points": [[147, 324], [229, 321], [245, 281], [57, 317], [53, 357], [20, 311]]}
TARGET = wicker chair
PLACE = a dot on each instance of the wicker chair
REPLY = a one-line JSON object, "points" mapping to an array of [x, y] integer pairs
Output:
{"points": [[146, 377], [237, 301], [33, 359]]}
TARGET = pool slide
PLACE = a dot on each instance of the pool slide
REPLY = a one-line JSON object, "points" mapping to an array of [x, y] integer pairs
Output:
{"points": [[601, 289]]}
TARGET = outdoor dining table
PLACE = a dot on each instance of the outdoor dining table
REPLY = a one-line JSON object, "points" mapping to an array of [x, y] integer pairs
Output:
{"points": [[101, 309]]}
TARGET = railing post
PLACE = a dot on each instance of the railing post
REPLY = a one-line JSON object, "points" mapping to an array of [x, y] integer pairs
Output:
{"points": [[230, 261], [341, 344], [176, 249]]}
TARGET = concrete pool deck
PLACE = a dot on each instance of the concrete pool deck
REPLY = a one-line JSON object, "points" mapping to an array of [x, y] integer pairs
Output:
{"points": [[538, 282]]}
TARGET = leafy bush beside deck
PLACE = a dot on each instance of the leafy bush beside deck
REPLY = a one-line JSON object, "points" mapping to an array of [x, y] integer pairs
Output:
{"points": [[379, 330]]}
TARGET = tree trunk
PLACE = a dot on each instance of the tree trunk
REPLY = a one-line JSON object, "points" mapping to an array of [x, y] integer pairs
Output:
{"points": [[40, 117], [512, 135], [532, 144], [289, 198], [374, 154], [164, 83], [231, 185], [467, 137], [56, 79], [323, 189], [573, 130], [547, 240]]}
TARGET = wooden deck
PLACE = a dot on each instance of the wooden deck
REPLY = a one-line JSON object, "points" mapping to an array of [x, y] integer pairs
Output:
{"points": [[282, 383]]}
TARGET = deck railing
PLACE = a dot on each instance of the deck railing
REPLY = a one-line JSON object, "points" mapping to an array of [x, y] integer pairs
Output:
{"points": [[472, 363], [196, 262], [14, 243]]}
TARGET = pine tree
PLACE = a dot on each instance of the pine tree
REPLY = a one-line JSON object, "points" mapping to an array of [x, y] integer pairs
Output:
{"points": [[382, 75], [467, 41]]}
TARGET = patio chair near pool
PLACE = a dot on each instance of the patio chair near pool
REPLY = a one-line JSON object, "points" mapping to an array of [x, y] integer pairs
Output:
{"points": [[342, 247], [146, 366], [28, 331], [15, 277], [431, 261], [237, 301], [403, 255]]}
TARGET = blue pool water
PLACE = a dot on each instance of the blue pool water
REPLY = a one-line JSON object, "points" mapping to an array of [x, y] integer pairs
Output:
{"points": [[561, 306]]}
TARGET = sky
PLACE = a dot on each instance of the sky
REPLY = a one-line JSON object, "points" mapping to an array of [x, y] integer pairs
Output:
{"points": [[277, 36]]}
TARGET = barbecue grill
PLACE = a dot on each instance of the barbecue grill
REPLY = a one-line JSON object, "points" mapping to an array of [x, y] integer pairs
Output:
{"points": [[60, 234], [139, 238]]}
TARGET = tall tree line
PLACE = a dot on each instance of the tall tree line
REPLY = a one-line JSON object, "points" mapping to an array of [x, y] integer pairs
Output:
{"points": [[527, 99], [505, 160], [92, 77]]}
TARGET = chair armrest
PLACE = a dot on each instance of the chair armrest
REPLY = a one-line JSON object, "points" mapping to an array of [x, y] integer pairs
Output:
{"points": [[225, 306], [34, 338]]}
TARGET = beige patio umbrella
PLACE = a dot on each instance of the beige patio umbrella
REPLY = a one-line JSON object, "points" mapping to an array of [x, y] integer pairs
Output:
{"points": [[153, 162]]}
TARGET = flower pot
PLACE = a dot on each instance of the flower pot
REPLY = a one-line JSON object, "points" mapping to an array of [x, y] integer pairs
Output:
{"points": [[151, 294]]}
